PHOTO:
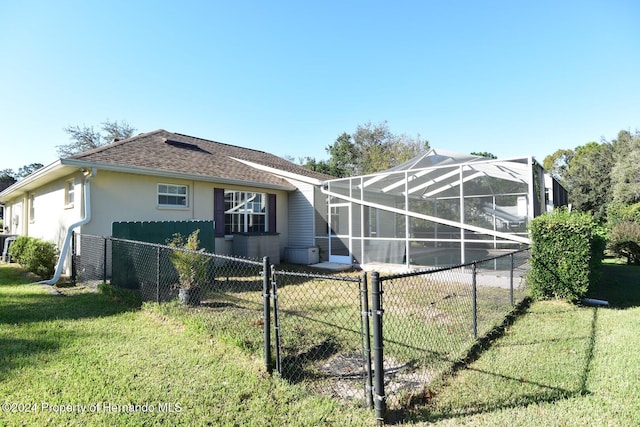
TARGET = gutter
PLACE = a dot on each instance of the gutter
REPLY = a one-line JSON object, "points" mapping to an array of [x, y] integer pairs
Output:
{"points": [[88, 174]]}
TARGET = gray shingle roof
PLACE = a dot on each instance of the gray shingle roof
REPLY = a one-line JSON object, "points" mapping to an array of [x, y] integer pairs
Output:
{"points": [[177, 153]]}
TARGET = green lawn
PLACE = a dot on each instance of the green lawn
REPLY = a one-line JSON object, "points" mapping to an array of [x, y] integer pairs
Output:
{"points": [[99, 357], [556, 364]]}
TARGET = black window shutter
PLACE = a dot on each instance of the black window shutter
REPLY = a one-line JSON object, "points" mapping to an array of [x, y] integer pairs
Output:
{"points": [[218, 210], [271, 206]]}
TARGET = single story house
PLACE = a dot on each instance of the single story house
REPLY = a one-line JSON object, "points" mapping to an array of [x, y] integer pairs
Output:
{"points": [[165, 176], [439, 208]]}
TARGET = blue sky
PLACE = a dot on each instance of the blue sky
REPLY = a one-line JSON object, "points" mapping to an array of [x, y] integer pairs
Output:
{"points": [[510, 77]]}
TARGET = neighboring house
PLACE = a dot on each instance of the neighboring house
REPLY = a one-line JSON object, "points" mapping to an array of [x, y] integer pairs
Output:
{"points": [[160, 176]]}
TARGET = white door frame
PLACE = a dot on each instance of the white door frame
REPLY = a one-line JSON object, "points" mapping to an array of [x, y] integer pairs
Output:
{"points": [[341, 259]]}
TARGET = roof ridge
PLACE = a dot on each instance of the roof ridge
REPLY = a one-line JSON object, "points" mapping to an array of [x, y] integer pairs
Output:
{"points": [[114, 144]]}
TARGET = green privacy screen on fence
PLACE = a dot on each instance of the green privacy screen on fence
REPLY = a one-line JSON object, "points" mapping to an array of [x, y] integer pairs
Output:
{"points": [[137, 268], [161, 231]]}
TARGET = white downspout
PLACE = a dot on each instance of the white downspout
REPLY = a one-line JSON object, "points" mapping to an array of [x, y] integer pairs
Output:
{"points": [[67, 239]]}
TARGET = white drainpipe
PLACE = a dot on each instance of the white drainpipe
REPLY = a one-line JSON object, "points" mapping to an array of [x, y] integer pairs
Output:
{"points": [[67, 239]]}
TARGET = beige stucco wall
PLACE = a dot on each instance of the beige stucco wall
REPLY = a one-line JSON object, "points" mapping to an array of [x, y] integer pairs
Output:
{"points": [[51, 216], [129, 197], [119, 196]]}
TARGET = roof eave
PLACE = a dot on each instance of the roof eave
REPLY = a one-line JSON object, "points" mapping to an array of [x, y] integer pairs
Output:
{"points": [[39, 177]]}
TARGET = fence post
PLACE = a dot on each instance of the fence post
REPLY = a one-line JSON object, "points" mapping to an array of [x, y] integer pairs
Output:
{"points": [[474, 299], [366, 337], [276, 321], [104, 261], [74, 272], [266, 293], [378, 359], [158, 274], [511, 280]]}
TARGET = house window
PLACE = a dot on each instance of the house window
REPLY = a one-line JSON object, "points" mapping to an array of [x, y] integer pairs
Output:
{"points": [[244, 212], [69, 193], [172, 195], [32, 209]]}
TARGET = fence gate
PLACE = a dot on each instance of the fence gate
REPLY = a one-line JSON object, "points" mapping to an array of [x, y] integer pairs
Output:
{"points": [[321, 333]]}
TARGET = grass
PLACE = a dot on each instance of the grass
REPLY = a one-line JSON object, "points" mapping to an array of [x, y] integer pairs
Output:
{"points": [[557, 364], [428, 327], [89, 350]]}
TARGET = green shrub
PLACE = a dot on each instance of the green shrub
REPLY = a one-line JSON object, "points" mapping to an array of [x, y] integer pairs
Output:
{"points": [[40, 257], [190, 264], [18, 247], [36, 255], [566, 253], [624, 240]]}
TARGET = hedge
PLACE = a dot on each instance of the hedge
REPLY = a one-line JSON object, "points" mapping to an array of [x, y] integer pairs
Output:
{"points": [[36, 255], [566, 252]]}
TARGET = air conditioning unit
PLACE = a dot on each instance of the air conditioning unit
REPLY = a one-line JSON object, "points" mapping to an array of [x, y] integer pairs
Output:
{"points": [[305, 256]]}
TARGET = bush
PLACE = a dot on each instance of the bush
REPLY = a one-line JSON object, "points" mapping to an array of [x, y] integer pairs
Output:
{"points": [[40, 257], [18, 247], [36, 255], [566, 253], [190, 264], [624, 241]]}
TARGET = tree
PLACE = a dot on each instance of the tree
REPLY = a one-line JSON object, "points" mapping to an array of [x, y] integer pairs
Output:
{"points": [[7, 178], [7, 175], [321, 166], [86, 137], [378, 148], [625, 177], [556, 164], [27, 170], [369, 149], [484, 154], [588, 180]]}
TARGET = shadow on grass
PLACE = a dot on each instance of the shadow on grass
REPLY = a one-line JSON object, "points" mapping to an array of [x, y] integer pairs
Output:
{"points": [[294, 366], [547, 393], [619, 284], [33, 304]]}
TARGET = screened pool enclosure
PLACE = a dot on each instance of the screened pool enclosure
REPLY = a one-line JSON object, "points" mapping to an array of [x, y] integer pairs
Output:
{"points": [[440, 208]]}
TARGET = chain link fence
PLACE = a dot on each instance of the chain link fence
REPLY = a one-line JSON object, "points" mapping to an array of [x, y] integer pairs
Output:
{"points": [[433, 318], [91, 259], [317, 323], [321, 334], [320, 330]]}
